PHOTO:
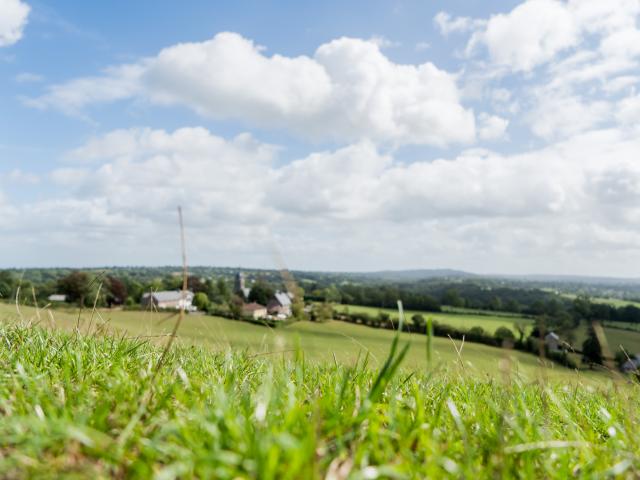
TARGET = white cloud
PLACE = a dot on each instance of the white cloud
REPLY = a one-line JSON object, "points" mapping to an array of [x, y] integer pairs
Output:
{"points": [[492, 127], [531, 34], [117, 83], [13, 18], [536, 32], [352, 207], [28, 77], [628, 111], [348, 91], [448, 24], [561, 115]]}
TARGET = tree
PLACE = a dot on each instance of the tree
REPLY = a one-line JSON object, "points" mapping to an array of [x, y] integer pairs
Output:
{"points": [[582, 307], [504, 334], [418, 320], [323, 312], [591, 349], [7, 284], [452, 298], [261, 292], [116, 291], [195, 284], [201, 301], [235, 307], [76, 286]]}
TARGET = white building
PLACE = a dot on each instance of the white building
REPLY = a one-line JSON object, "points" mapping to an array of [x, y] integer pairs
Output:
{"points": [[169, 300]]}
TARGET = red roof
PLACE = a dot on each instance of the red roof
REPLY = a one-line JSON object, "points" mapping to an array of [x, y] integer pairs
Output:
{"points": [[252, 307]]}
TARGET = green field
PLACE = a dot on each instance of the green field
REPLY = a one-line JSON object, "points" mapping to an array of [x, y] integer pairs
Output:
{"points": [[463, 321], [624, 326], [630, 340], [614, 302], [78, 406], [319, 341]]}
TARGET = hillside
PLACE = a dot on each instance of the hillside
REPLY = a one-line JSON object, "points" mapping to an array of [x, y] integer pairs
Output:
{"points": [[320, 342]]}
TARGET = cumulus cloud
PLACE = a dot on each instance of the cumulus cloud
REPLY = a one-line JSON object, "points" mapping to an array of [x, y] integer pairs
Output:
{"points": [[13, 18], [356, 201], [535, 32], [531, 34], [349, 90]]}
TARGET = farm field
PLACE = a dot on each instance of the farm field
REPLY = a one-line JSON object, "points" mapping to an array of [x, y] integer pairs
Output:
{"points": [[320, 342], [615, 337], [614, 302], [459, 320], [624, 326]]}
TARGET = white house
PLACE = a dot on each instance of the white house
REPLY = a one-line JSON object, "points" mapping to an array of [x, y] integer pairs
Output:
{"points": [[552, 342], [169, 300], [280, 305], [57, 297]]}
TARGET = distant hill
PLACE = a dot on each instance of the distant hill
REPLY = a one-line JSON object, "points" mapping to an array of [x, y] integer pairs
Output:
{"points": [[421, 274]]}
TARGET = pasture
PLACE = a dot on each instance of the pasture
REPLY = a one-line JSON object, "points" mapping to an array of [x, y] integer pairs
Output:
{"points": [[488, 321], [321, 342]]}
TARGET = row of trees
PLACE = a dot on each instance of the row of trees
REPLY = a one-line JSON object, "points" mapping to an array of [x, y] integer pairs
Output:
{"points": [[432, 295]]}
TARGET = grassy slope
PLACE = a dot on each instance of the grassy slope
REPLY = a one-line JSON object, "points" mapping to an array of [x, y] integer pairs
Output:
{"points": [[320, 342], [459, 320], [90, 407]]}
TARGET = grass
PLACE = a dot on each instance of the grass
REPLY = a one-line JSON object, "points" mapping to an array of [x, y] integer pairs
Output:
{"points": [[79, 406], [614, 302], [321, 342], [630, 340], [490, 322]]}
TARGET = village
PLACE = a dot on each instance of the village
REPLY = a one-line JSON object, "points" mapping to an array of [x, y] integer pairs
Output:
{"points": [[278, 307]]}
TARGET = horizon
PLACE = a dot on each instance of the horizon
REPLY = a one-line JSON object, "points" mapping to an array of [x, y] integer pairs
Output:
{"points": [[493, 137], [481, 275]]}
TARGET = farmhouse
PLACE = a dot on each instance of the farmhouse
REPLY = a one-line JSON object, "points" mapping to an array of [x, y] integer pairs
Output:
{"points": [[57, 297], [280, 305], [254, 310], [552, 342], [168, 300]]}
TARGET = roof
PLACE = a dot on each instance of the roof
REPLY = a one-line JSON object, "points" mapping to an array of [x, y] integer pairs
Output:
{"points": [[57, 297], [170, 295], [282, 298], [552, 335], [246, 291], [252, 307]]}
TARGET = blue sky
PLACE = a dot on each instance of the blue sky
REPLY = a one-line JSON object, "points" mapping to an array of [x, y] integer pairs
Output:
{"points": [[489, 136]]}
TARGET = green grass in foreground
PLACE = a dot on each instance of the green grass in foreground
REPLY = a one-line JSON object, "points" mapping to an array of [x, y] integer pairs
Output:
{"points": [[321, 342], [84, 406]]}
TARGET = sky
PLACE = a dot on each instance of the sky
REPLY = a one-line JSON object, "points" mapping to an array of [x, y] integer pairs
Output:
{"points": [[488, 136]]}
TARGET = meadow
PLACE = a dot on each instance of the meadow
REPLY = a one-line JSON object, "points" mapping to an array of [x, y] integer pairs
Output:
{"points": [[103, 405], [458, 318], [321, 342]]}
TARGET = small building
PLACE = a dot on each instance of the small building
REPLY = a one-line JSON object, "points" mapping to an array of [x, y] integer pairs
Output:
{"points": [[169, 300], [254, 310], [632, 365], [280, 305], [552, 342], [57, 297]]}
